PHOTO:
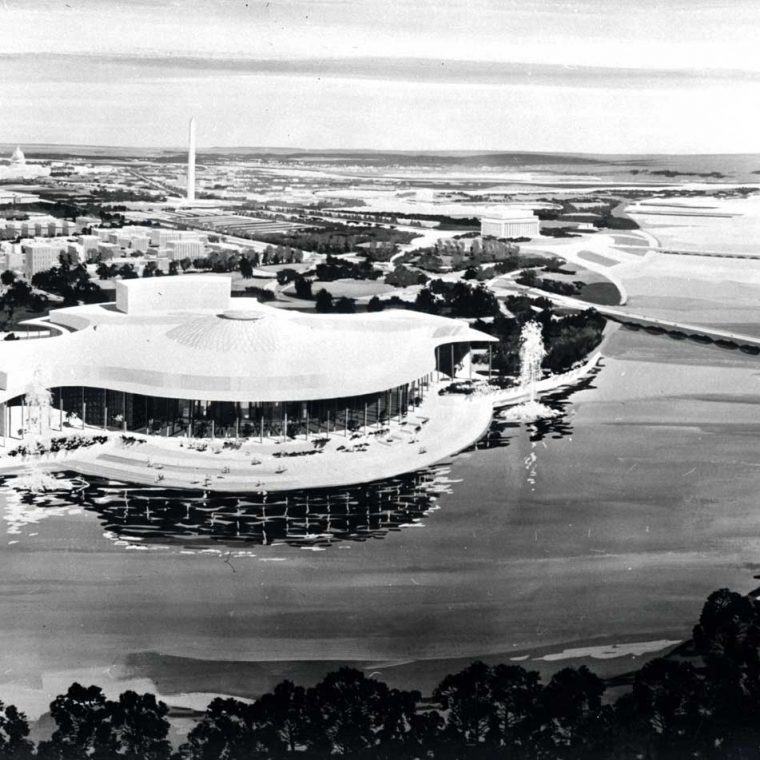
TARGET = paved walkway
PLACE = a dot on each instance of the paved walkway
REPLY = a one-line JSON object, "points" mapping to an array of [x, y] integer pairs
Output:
{"points": [[440, 427]]}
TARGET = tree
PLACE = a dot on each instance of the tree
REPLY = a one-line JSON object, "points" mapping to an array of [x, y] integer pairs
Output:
{"points": [[280, 717], [284, 276], [302, 287], [344, 305], [427, 302], [173, 268], [468, 698], [83, 727], [140, 726], [150, 269], [515, 693], [668, 698], [569, 704], [224, 733], [7, 277], [375, 304], [349, 712], [324, 302], [14, 730], [246, 268]]}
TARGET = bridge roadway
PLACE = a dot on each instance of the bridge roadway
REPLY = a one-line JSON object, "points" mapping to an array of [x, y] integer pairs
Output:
{"points": [[727, 338], [714, 334], [709, 254]]}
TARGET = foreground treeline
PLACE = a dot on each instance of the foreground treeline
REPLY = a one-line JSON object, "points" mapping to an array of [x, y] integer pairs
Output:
{"points": [[706, 705]]}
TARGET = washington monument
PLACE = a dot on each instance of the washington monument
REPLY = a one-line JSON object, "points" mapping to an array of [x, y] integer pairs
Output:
{"points": [[191, 162]]}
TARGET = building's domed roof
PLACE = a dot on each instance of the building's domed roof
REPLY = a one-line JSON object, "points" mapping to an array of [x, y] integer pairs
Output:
{"points": [[243, 331], [17, 157]]}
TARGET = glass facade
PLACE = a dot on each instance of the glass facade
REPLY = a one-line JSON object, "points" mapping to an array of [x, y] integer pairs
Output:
{"points": [[117, 410]]}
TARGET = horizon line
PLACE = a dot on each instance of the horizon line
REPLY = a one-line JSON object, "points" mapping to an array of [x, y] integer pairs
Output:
{"points": [[402, 151]]}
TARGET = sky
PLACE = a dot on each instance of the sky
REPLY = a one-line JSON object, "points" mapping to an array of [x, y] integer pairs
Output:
{"points": [[597, 76]]}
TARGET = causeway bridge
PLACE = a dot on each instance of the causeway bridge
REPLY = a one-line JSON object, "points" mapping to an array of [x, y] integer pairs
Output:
{"points": [[725, 338], [700, 333], [708, 254]]}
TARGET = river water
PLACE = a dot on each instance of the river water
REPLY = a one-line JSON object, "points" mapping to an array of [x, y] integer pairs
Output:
{"points": [[594, 538]]}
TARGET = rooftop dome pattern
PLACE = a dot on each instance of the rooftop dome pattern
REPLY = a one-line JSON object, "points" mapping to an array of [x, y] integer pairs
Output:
{"points": [[242, 332]]}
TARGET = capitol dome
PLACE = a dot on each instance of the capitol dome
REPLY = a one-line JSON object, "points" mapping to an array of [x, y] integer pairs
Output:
{"points": [[18, 156]]}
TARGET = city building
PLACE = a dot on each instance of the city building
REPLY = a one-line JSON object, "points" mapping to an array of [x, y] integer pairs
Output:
{"points": [[107, 251], [39, 257], [18, 168], [90, 245], [509, 222], [11, 258], [176, 250]]}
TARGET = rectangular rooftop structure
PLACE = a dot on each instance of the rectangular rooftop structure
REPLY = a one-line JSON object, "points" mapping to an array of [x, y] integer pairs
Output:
{"points": [[186, 293], [509, 222]]}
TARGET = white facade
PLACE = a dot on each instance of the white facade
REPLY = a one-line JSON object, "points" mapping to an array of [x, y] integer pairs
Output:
{"points": [[89, 244], [181, 249], [39, 257], [192, 293], [510, 223]]}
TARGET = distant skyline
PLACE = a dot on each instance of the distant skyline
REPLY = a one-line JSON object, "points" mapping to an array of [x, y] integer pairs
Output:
{"points": [[538, 75]]}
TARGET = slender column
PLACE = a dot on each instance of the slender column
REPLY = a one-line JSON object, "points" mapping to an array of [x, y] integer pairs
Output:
{"points": [[365, 418], [469, 356], [213, 422], [328, 422], [453, 371], [237, 426], [60, 409], [105, 418], [490, 361], [285, 427], [345, 422], [307, 425], [261, 427]]}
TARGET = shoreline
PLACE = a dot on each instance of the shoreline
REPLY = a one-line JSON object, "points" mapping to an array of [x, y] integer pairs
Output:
{"points": [[292, 465]]}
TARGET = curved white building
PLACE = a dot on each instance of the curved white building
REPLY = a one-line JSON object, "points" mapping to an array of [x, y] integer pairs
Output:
{"points": [[176, 356]]}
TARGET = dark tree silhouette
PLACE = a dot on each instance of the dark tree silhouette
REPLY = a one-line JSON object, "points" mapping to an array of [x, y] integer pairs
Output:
{"points": [[344, 305], [569, 705], [281, 716], [303, 287], [140, 726], [468, 697], [349, 712], [515, 693], [14, 730], [324, 302], [83, 721], [224, 733], [668, 699], [246, 268]]}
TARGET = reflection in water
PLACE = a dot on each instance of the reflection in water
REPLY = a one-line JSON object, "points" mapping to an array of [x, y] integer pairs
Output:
{"points": [[502, 431], [142, 516], [309, 518]]}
